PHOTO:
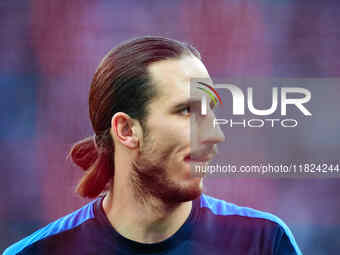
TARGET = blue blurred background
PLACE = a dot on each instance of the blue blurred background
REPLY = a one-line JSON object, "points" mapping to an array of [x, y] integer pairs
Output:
{"points": [[50, 50]]}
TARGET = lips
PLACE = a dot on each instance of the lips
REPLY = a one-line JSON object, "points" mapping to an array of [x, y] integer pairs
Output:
{"points": [[193, 158], [201, 155]]}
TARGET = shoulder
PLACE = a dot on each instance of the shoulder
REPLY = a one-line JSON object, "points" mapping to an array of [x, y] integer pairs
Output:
{"points": [[61, 225], [220, 207]]}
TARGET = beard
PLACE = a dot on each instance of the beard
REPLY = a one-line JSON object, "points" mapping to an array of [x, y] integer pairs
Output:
{"points": [[151, 178]]}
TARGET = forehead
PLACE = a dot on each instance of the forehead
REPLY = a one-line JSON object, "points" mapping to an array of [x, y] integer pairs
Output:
{"points": [[172, 77]]}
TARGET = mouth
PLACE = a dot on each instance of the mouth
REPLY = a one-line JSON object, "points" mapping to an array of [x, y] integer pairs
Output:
{"points": [[200, 159]]}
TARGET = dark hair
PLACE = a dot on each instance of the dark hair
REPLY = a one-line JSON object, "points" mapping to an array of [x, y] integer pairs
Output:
{"points": [[120, 84]]}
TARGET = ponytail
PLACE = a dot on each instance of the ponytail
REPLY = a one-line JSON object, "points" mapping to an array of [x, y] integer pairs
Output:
{"points": [[94, 155]]}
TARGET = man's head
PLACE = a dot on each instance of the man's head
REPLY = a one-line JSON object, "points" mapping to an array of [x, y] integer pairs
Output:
{"points": [[140, 114], [162, 167]]}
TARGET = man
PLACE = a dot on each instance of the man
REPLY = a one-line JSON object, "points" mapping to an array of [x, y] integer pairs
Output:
{"points": [[138, 167]]}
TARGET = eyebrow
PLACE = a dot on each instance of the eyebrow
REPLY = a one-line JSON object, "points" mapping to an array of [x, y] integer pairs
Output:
{"points": [[186, 103], [190, 101]]}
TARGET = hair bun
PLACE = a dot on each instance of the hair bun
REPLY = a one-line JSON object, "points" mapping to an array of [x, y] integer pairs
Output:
{"points": [[84, 153]]}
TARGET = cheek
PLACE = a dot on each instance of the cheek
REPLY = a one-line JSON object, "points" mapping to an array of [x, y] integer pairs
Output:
{"points": [[196, 128], [172, 132]]}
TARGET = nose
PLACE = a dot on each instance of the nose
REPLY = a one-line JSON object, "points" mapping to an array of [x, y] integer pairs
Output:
{"points": [[210, 133], [213, 135]]}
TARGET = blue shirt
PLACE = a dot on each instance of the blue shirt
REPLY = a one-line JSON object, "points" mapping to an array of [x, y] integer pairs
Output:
{"points": [[213, 227]]}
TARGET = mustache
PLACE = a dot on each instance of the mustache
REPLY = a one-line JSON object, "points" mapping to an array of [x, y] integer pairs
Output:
{"points": [[202, 152]]}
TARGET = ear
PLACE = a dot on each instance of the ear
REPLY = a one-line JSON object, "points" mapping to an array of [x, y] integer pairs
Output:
{"points": [[125, 130]]}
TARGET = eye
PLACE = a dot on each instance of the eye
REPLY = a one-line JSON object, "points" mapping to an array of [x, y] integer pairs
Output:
{"points": [[185, 110]]}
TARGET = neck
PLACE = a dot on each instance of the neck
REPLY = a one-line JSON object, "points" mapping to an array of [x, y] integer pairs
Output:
{"points": [[146, 221]]}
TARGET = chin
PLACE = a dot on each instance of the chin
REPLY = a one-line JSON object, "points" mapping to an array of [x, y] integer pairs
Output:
{"points": [[193, 190]]}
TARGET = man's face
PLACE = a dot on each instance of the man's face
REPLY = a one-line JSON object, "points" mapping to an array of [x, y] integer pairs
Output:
{"points": [[178, 136]]}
